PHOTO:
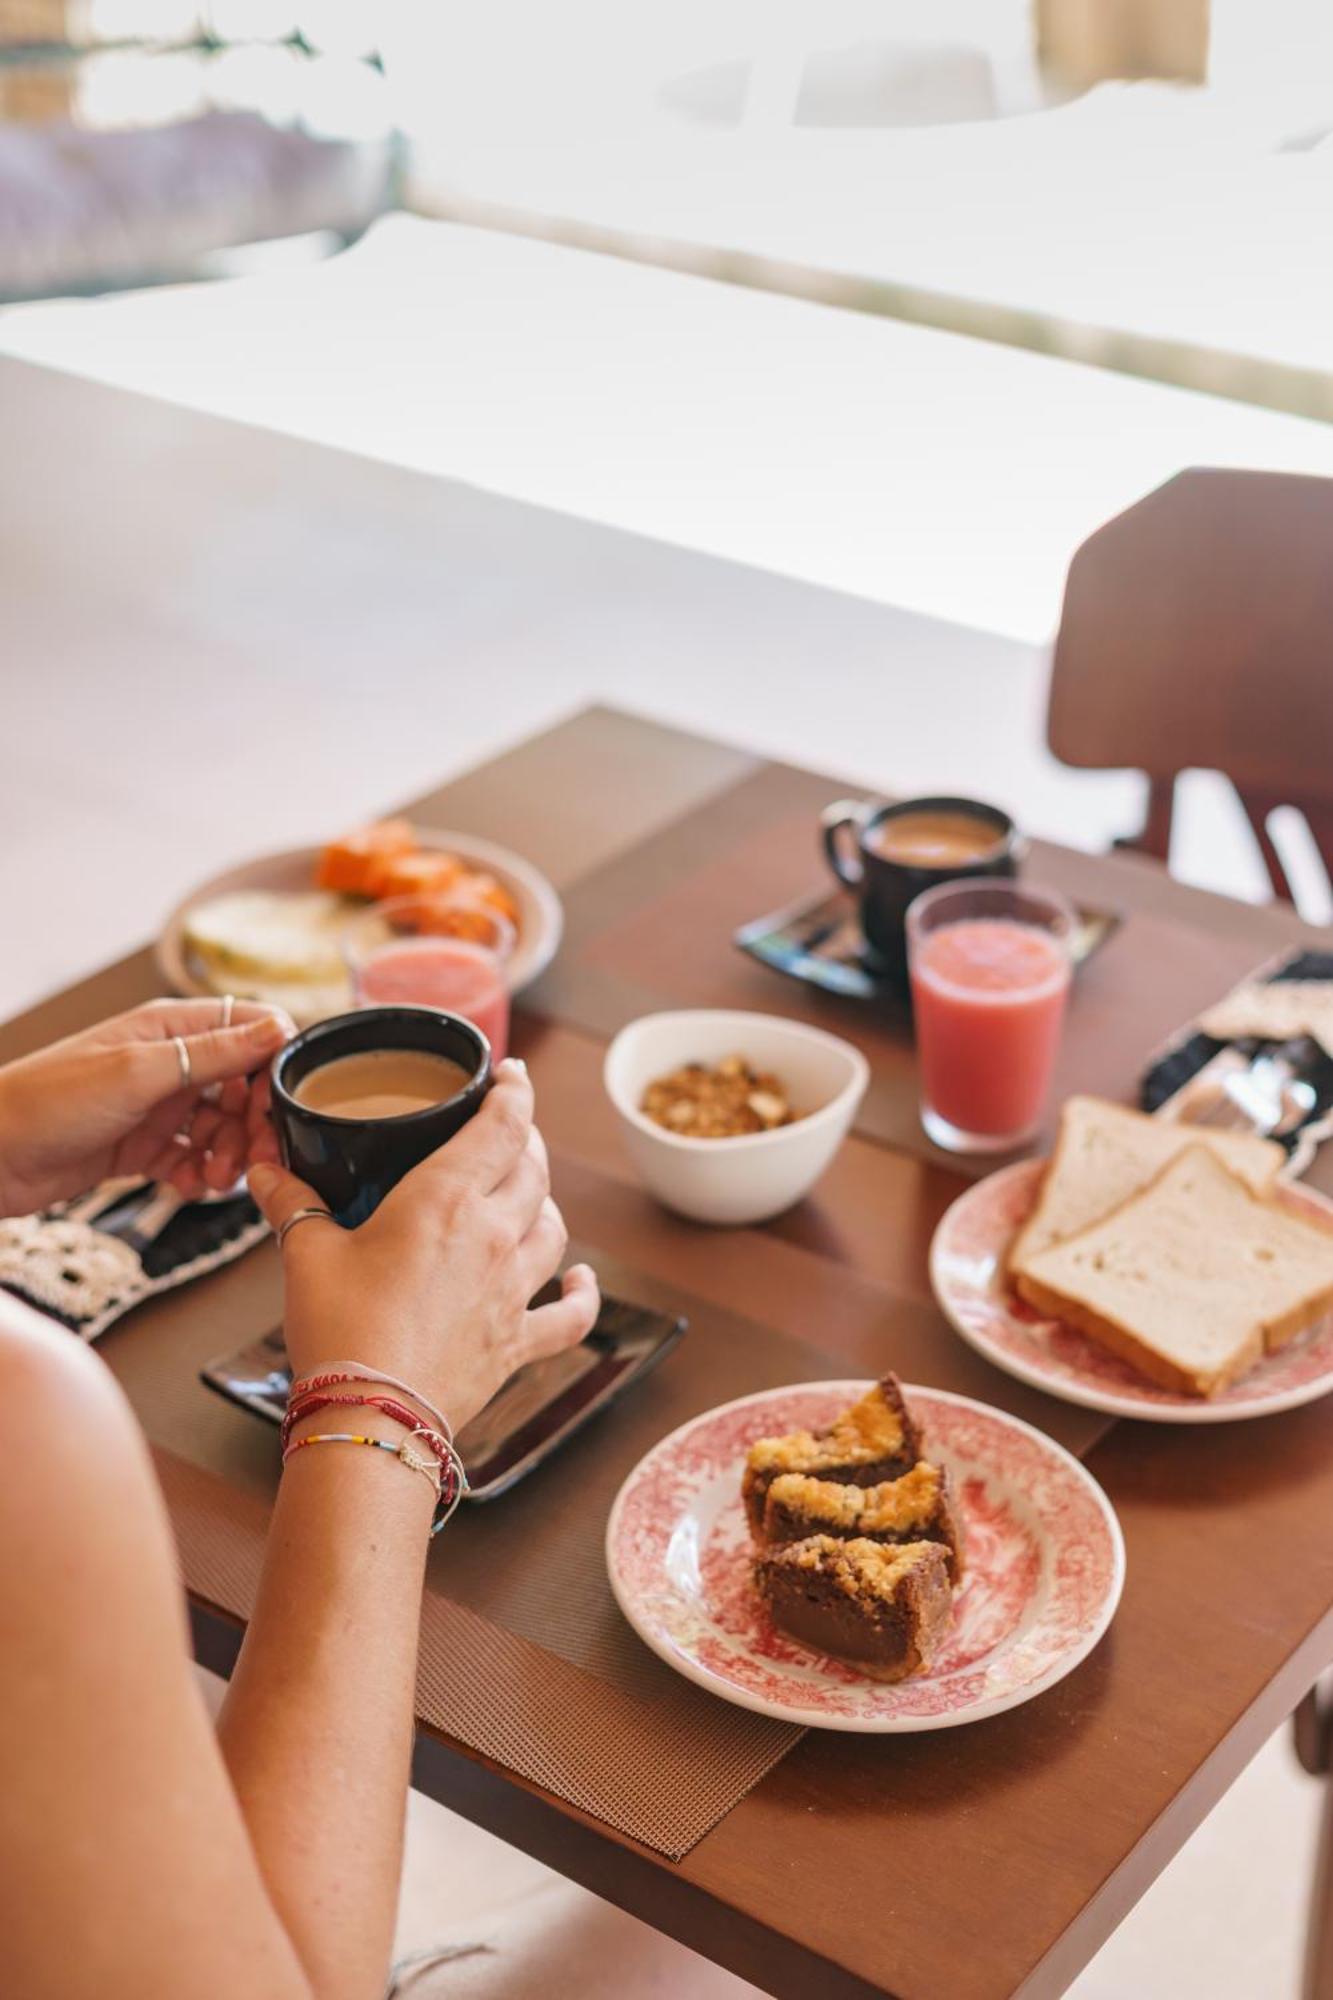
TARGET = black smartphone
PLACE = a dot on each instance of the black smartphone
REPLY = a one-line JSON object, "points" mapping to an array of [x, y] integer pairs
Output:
{"points": [[525, 1421]]}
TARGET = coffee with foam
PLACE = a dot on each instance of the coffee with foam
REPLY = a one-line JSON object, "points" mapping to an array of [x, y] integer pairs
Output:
{"points": [[381, 1083]]}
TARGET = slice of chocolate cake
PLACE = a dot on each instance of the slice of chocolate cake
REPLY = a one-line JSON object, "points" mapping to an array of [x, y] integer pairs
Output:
{"points": [[876, 1439], [916, 1508], [882, 1609]]}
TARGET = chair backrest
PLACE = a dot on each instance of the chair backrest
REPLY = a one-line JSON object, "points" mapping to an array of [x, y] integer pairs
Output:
{"points": [[1197, 632]]}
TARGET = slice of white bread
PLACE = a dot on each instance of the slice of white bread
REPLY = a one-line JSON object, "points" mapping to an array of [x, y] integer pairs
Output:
{"points": [[1105, 1153], [1192, 1279]]}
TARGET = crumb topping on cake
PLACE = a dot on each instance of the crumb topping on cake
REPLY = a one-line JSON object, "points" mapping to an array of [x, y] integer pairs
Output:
{"points": [[860, 1569], [871, 1429], [892, 1505]]}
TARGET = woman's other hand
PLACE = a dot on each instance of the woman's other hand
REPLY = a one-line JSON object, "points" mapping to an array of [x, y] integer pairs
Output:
{"points": [[114, 1100], [434, 1287]]}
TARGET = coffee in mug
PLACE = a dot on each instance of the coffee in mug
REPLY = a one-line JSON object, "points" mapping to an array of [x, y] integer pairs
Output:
{"points": [[934, 839], [890, 854], [381, 1083]]}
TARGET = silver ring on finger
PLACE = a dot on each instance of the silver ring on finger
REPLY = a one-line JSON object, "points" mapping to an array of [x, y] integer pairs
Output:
{"points": [[228, 1006], [301, 1215], [183, 1058]]}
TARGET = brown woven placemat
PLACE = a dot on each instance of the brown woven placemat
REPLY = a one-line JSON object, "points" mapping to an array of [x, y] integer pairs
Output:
{"points": [[659, 1763], [525, 1656]]}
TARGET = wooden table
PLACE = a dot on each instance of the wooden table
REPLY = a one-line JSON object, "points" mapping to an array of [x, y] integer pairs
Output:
{"points": [[974, 1863]]}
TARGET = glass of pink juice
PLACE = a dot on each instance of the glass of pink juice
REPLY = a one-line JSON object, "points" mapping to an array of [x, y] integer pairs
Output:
{"points": [[990, 968], [435, 951]]}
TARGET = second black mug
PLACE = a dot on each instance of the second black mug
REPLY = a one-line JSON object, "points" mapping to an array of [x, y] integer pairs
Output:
{"points": [[854, 834]]}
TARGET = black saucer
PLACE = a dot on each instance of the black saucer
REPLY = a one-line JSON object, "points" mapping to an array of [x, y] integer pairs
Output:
{"points": [[819, 941]]}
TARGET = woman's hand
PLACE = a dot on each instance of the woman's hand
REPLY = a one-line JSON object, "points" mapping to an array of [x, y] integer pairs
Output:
{"points": [[434, 1287], [111, 1101]]}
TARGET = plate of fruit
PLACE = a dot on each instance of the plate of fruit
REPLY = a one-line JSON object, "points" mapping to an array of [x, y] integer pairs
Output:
{"points": [[865, 1556], [274, 928]]}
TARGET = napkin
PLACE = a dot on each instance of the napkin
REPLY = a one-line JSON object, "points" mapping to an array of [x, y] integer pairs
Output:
{"points": [[87, 1278]]}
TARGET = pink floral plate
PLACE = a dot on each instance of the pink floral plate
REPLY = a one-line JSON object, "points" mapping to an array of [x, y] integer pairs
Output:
{"points": [[1045, 1565], [966, 1270]]}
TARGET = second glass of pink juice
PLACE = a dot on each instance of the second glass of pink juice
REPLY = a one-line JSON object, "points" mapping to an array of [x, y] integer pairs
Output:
{"points": [[423, 951], [990, 970]]}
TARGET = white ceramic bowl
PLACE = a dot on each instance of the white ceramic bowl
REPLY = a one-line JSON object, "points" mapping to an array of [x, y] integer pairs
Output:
{"points": [[759, 1174]]}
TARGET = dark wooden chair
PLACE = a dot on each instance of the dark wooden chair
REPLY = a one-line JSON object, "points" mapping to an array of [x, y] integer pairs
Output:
{"points": [[1197, 633], [1314, 1747]]}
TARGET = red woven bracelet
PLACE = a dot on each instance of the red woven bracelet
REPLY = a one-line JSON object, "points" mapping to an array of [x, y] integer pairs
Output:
{"points": [[310, 1402], [357, 1373]]}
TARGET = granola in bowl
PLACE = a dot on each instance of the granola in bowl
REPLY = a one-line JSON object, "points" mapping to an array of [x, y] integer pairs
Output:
{"points": [[720, 1101]]}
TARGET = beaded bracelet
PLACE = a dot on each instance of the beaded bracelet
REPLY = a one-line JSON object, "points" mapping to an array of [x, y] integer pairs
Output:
{"points": [[448, 1483], [453, 1477], [445, 1468], [412, 1459], [335, 1373]]}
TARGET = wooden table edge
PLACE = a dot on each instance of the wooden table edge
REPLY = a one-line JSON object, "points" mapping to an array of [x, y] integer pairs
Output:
{"points": [[622, 1871], [1102, 1915], [660, 1893]]}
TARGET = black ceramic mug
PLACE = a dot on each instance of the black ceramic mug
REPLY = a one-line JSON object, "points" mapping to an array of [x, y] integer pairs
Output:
{"points": [[885, 885], [353, 1162]]}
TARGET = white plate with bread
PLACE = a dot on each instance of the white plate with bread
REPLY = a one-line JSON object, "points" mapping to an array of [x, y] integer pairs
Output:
{"points": [[1150, 1269], [271, 929]]}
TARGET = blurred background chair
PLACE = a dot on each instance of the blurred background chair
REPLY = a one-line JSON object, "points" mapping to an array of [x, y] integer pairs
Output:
{"points": [[1313, 1730], [1197, 634]]}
